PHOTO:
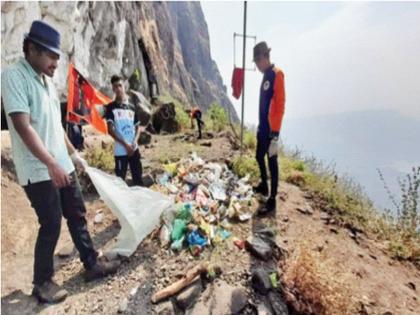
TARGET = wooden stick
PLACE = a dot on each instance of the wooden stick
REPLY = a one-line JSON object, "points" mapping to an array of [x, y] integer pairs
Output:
{"points": [[187, 279]]}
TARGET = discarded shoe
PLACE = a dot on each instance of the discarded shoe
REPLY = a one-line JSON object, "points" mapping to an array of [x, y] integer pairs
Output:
{"points": [[262, 189], [269, 207], [49, 292], [101, 269]]}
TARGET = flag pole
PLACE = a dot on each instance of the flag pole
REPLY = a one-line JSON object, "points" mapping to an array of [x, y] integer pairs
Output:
{"points": [[243, 82], [67, 100]]}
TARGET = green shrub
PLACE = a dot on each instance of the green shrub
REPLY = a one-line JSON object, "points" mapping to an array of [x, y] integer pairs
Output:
{"points": [[288, 165], [250, 140], [101, 158], [182, 117], [407, 206], [216, 118], [208, 123], [404, 235]]}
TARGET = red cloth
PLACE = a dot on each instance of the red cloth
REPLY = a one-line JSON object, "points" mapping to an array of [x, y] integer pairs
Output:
{"points": [[82, 100], [237, 82]]}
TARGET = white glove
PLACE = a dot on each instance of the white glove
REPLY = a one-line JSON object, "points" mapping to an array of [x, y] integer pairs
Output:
{"points": [[78, 161], [273, 149], [135, 146]]}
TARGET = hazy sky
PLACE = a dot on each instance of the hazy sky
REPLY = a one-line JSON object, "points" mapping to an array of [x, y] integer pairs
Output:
{"points": [[337, 56]]}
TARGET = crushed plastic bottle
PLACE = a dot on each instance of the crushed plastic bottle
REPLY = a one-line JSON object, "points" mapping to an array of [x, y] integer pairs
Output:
{"points": [[178, 230]]}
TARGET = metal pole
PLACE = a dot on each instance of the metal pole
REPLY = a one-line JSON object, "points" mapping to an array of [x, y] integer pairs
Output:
{"points": [[243, 83], [234, 50]]}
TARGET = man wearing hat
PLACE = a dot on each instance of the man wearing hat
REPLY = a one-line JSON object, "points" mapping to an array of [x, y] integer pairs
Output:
{"points": [[43, 158], [272, 99]]}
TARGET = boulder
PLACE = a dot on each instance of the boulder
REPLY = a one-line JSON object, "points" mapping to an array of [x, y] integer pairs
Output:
{"points": [[216, 299], [163, 119], [65, 251], [187, 297], [222, 298], [277, 303], [165, 308], [145, 138], [261, 281], [239, 300], [143, 106], [263, 309], [148, 180], [259, 248]]}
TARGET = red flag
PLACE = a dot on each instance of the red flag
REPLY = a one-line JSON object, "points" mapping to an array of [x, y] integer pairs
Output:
{"points": [[82, 101], [237, 82]]}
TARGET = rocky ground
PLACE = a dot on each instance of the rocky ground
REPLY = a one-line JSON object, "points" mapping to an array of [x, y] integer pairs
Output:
{"points": [[376, 284]]}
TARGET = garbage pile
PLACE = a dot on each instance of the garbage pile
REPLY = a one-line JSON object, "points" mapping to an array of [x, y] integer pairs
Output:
{"points": [[208, 196]]}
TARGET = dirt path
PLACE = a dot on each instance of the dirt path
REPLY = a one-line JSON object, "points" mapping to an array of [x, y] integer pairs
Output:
{"points": [[382, 284]]}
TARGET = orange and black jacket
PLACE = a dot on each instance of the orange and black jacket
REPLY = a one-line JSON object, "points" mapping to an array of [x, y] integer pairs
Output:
{"points": [[195, 113], [272, 100]]}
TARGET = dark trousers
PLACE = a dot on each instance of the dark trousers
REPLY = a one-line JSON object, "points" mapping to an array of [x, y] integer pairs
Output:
{"points": [[263, 143], [75, 135], [121, 165], [50, 203], [199, 125]]}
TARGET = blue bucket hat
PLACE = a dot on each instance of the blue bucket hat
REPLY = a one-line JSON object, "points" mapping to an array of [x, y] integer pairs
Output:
{"points": [[45, 35]]}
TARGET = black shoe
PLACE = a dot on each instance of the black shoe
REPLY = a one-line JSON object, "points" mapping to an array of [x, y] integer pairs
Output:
{"points": [[101, 269], [49, 292], [269, 207], [262, 189]]}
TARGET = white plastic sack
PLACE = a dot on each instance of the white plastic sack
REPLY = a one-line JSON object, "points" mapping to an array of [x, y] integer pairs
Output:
{"points": [[138, 209]]}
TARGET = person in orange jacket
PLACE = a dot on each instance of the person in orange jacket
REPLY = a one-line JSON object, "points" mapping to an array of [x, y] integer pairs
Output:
{"points": [[271, 111], [196, 114]]}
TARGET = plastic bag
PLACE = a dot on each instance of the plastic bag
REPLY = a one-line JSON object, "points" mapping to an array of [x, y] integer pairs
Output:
{"points": [[165, 235], [192, 179], [195, 160], [164, 179], [138, 209], [178, 230], [218, 191], [166, 219], [184, 212], [177, 245], [194, 238], [170, 168]]}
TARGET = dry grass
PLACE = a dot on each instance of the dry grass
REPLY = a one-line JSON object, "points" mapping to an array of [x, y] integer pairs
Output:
{"points": [[319, 286], [296, 178], [344, 199]]}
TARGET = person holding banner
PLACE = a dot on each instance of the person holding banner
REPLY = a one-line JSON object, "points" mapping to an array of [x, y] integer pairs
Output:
{"points": [[44, 159]]}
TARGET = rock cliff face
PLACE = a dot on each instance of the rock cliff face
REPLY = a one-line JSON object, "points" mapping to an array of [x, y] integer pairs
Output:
{"points": [[161, 44]]}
